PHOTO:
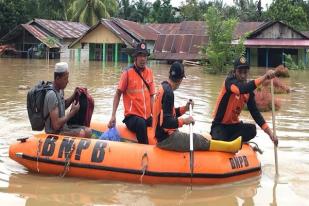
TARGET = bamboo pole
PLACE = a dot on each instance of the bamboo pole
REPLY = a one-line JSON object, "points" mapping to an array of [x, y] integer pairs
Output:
{"points": [[274, 123]]}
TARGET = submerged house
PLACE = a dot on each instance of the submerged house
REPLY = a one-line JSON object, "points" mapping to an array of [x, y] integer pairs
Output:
{"points": [[112, 39], [180, 41], [266, 44], [44, 38]]}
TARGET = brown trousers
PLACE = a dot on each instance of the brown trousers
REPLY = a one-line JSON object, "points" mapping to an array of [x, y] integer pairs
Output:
{"points": [[180, 142]]}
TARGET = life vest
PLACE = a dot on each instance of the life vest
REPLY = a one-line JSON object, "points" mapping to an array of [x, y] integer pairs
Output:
{"points": [[232, 99], [136, 97], [158, 115]]}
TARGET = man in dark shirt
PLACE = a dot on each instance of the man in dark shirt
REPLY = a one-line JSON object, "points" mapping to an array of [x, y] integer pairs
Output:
{"points": [[167, 120], [235, 93]]}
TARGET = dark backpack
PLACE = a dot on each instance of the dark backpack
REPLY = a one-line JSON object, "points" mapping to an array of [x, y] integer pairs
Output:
{"points": [[35, 104], [84, 114]]}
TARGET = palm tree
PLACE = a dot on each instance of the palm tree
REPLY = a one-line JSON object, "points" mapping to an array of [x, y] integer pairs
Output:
{"points": [[91, 11]]}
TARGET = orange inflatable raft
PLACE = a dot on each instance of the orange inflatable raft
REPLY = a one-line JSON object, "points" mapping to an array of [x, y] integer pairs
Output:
{"points": [[126, 161]]}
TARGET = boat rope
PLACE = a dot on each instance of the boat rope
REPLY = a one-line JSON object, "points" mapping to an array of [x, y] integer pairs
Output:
{"points": [[67, 161], [144, 165], [255, 147], [37, 155]]}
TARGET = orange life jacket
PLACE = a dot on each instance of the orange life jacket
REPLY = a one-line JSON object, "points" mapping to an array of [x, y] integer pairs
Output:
{"points": [[136, 97], [158, 115]]}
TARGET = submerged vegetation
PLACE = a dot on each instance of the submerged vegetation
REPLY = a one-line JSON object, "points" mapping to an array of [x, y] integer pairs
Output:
{"points": [[219, 51], [292, 65]]}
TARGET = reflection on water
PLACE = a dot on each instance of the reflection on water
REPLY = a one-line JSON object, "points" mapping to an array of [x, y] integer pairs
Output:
{"points": [[17, 187]]}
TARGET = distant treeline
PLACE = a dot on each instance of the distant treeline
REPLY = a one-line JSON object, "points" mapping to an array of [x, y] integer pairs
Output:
{"points": [[14, 12]]}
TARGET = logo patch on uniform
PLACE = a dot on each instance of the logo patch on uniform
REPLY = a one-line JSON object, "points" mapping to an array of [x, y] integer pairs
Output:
{"points": [[143, 46], [242, 60]]}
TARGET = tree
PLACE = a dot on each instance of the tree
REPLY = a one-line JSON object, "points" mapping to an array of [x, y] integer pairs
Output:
{"points": [[52, 9], [162, 12], [13, 13], [91, 11], [125, 9], [248, 10], [141, 11], [289, 12], [190, 11], [220, 52]]}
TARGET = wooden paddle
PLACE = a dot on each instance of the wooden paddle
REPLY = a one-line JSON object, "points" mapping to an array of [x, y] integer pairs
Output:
{"points": [[191, 145], [274, 122]]}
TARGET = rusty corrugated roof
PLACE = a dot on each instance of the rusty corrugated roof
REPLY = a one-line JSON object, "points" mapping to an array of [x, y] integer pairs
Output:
{"points": [[169, 28], [244, 27], [183, 40], [192, 27], [62, 29], [49, 41], [142, 31], [179, 46]]}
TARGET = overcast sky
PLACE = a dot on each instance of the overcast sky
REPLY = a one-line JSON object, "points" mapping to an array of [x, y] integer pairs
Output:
{"points": [[177, 3]]}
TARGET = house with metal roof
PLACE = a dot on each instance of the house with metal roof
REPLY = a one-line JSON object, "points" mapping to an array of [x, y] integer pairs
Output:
{"points": [[266, 43], [113, 39], [44, 38]]}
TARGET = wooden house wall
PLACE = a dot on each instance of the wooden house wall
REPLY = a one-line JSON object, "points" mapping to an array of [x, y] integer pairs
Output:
{"points": [[278, 31]]}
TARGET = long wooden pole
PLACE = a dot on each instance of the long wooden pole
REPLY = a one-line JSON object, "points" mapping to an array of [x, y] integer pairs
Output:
{"points": [[274, 122]]}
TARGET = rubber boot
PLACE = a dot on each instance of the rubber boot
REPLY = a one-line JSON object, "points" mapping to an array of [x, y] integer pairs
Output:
{"points": [[223, 146]]}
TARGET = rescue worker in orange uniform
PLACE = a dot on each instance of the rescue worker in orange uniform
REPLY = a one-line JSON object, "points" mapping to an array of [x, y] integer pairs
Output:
{"points": [[235, 93], [167, 120], [137, 87]]}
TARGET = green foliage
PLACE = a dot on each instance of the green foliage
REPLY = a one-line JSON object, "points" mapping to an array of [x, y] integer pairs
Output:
{"points": [[248, 10], [219, 52], [125, 9], [91, 11], [140, 12], [190, 11], [52, 9], [13, 13], [290, 12], [162, 12], [51, 41], [291, 65]]}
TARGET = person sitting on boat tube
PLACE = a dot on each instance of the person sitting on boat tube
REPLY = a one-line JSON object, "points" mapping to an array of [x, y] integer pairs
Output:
{"points": [[137, 87], [55, 105], [235, 93], [167, 120]]}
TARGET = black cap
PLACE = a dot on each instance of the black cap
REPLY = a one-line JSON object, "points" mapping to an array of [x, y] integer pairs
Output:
{"points": [[241, 63], [141, 48], [177, 71]]}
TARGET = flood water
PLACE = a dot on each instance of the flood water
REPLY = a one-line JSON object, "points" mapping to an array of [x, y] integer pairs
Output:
{"points": [[19, 187]]}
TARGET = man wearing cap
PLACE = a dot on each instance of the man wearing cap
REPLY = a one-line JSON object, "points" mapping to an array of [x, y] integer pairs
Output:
{"points": [[167, 120], [235, 93], [55, 105], [137, 87]]}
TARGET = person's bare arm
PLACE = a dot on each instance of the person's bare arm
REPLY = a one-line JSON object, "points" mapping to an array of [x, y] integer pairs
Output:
{"points": [[112, 121], [58, 122]]}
